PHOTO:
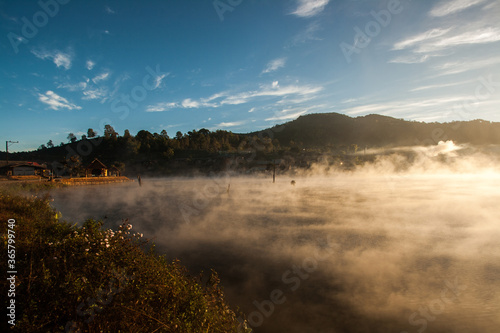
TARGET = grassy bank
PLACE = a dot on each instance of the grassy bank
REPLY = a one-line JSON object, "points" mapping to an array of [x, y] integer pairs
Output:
{"points": [[89, 279]]}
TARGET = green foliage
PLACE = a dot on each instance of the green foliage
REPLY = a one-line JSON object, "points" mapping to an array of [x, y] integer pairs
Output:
{"points": [[92, 279]]}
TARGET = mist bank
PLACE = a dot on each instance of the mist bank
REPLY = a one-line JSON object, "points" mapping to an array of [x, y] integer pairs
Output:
{"points": [[381, 248]]}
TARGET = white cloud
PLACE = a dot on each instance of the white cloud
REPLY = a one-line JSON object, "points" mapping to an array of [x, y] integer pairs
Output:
{"points": [[101, 77], [160, 107], [456, 67], [89, 64], [73, 87], [307, 34], [411, 59], [226, 98], [230, 124], [274, 65], [159, 79], [423, 37], [189, 103], [442, 42], [439, 86], [56, 102], [453, 6], [109, 10], [409, 106], [59, 58], [309, 8], [95, 93]]}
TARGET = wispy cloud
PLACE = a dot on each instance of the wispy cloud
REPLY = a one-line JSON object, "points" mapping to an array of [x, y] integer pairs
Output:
{"points": [[448, 7], [274, 65], [96, 93], [73, 86], [410, 59], [309, 8], [439, 86], [60, 59], [159, 79], [89, 64], [440, 42], [309, 33], [292, 113], [161, 107], [456, 67], [101, 77], [109, 10], [287, 116], [230, 124], [56, 102], [226, 98], [410, 107], [188, 103]]}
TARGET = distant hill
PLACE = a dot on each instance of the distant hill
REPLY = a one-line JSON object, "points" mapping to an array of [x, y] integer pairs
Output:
{"points": [[317, 130], [302, 140]]}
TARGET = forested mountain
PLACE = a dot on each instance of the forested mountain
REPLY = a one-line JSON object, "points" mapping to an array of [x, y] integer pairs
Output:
{"points": [[317, 130], [301, 140]]}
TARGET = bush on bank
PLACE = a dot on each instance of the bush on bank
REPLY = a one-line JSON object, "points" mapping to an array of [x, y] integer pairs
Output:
{"points": [[89, 279]]}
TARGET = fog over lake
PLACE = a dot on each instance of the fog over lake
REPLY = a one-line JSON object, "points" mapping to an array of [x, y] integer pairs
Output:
{"points": [[371, 250]]}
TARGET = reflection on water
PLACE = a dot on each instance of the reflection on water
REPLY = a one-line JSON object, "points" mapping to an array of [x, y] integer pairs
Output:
{"points": [[346, 253]]}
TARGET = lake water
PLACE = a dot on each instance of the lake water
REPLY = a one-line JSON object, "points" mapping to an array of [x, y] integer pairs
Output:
{"points": [[337, 253]]}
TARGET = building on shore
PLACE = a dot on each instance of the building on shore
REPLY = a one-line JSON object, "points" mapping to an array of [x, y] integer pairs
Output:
{"points": [[24, 169], [96, 169]]}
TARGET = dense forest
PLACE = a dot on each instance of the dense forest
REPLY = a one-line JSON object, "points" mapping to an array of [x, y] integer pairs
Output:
{"points": [[296, 143]]}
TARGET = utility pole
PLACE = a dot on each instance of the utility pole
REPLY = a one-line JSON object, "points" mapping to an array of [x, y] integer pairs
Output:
{"points": [[7, 149]]}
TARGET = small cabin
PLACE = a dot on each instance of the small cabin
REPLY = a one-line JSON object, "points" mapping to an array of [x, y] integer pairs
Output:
{"points": [[114, 172], [96, 169]]}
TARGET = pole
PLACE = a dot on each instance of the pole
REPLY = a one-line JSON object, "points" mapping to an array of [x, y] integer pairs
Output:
{"points": [[7, 149], [274, 171]]}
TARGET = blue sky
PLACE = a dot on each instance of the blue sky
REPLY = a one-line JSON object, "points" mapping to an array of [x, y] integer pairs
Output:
{"points": [[240, 65]]}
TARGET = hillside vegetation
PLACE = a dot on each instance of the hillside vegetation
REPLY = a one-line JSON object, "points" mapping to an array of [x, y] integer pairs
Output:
{"points": [[299, 142], [92, 279]]}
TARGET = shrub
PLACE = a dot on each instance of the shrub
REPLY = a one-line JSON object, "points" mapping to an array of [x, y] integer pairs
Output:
{"points": [[91, 279]]}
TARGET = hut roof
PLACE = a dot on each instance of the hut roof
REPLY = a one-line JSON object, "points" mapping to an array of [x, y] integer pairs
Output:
{"points": [[96, 164]]}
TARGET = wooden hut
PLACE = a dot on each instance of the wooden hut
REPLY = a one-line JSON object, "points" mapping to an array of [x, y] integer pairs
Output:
{"points": [[96, 169]]}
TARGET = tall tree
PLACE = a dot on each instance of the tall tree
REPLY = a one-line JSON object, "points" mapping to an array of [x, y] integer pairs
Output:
{"points": [[91, 133], [109, 132], [71, 138], [50, 144]]}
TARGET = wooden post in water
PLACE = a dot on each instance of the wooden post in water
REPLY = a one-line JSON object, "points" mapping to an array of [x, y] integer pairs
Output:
{"points": [[274, 171]]}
